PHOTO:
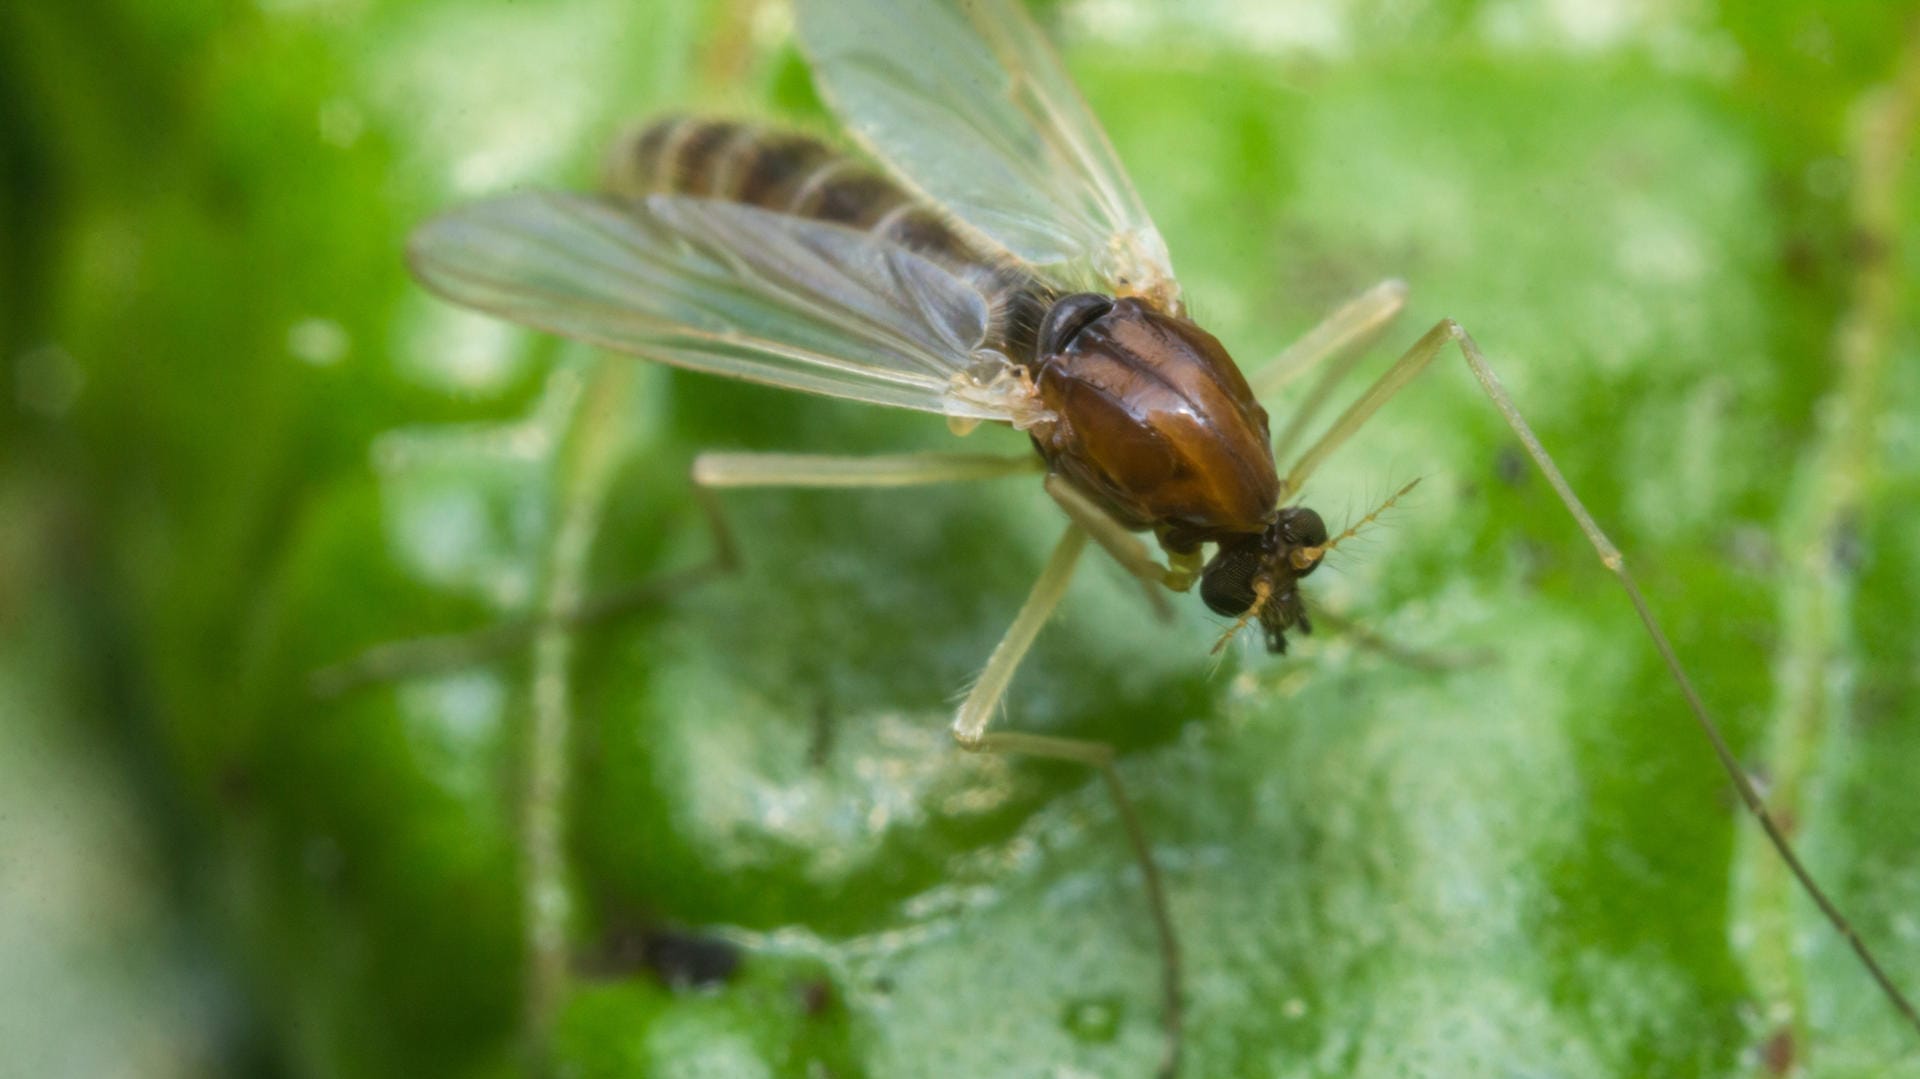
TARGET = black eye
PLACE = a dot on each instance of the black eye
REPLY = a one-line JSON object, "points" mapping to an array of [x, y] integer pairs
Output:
{"points": [[1301, 527], [1067, 317], [1226, 585]]}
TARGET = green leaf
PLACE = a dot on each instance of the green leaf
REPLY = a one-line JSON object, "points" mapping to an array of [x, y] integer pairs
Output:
{"points": [[727, 833]]}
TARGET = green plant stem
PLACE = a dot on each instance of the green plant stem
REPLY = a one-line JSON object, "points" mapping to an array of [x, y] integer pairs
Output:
{"points": [[1817, 591], [586, 467]]}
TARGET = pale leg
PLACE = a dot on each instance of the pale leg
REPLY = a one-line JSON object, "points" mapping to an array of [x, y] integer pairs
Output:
{"points": [[421, 656], [1342, 337], [1411, 364], [712, 470], [1611, 558], [427, 655], [1371, 640], [983, 702], [970, 724], [1126, 548], [1351, 326]]}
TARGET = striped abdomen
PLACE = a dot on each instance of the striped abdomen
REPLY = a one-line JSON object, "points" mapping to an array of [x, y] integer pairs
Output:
{"points": [[796, 174]]}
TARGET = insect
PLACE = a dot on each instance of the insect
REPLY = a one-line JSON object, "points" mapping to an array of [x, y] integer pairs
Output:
{"points": [[996, 266]]}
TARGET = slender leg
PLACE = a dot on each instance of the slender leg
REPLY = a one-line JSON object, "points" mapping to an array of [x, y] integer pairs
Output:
{"points": [[1111, 535], [1406, 655], [1611, 558], [1343, 336], [984, 698], [1412, 363], [896, 470], [419, 656], [1344, 333], [426, 655], [1124, 546], [1099, 755], [970, 730]]}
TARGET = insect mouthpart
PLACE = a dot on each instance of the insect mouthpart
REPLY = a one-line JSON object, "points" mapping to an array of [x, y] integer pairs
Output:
{"points": [[1257, 576]]}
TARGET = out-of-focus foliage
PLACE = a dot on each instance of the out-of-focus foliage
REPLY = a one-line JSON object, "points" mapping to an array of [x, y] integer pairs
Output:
{"points": [[239, 446]]}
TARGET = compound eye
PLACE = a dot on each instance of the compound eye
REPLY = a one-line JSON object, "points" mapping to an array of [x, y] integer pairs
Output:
{"points": [[1067, 317], [1227, 598], [1226, 585], [1301, 527]]}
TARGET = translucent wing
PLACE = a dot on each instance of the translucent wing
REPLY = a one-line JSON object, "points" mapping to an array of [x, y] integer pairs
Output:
{"points": [[733, 290], [966, 100]]}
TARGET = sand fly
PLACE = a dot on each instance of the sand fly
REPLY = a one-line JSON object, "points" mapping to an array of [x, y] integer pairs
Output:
{"points": [[985, 260]]}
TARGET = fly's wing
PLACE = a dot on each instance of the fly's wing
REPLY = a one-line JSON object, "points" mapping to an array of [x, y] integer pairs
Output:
{"points": [[733, 290], [966, 101]]}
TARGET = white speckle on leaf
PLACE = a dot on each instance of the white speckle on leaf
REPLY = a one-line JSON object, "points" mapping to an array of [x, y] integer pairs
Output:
{"points": [[462, 350], [442, 532], [1656, 247], [1305, 26], [321, 342]]}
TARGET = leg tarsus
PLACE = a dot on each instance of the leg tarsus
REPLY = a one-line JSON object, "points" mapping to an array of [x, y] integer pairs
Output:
{"points": [[1113, 537], [1611, 558], [726, 549], [1100, 756], [1390, 382], [1183, 569], [1345, 332], [1417, 658], [983, 700], [1410, 364], [1124, 547], [711, 471], [838, 471], [393, 661]]}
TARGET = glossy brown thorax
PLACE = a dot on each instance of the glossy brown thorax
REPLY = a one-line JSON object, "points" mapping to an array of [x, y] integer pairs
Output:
{"points": [[1156, 422]]}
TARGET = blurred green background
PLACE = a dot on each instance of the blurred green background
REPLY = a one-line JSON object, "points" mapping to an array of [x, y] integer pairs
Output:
{"points": [[240, 446]]}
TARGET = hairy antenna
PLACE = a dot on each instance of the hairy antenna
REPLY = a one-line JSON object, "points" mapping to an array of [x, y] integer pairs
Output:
{"points": [[1262, 591], [1303, 558]]}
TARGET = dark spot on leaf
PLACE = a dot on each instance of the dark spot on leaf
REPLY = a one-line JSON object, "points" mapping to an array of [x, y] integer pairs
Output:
{"points": [[1800, 260], [1876, 703], [1534, 560], [1750, 549], [679, 960], [817, 997], [688, 961], [1510, 465], [237, 786], [1866, 249], [821, 738], [1777, 1055], [1845, 545]]}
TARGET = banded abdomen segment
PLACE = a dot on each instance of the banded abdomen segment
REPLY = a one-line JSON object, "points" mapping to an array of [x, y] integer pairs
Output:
{"points": [[792, 173]]}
